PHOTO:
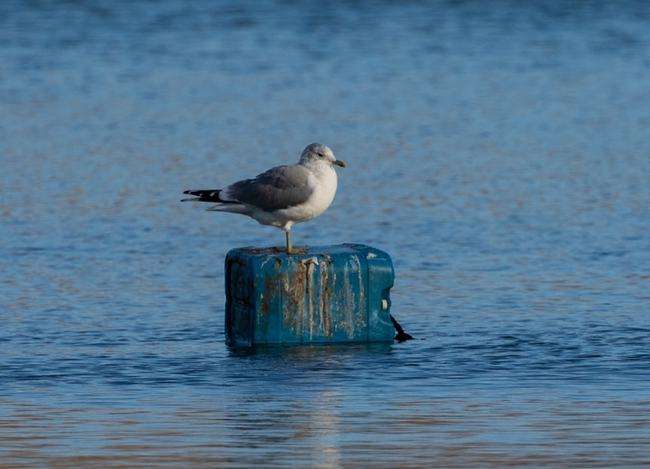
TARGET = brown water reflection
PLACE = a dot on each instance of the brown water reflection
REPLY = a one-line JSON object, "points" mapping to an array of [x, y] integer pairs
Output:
{"points": [[447, 432]]}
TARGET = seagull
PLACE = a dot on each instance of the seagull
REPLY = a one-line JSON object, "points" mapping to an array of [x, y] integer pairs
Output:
{"points": [[283, 195]]}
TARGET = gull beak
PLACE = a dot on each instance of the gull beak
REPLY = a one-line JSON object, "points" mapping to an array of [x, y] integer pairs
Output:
{"points": [[339, 163]]}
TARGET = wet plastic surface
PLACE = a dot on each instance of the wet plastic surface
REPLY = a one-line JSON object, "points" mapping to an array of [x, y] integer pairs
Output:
{"points": [[323, 294]]}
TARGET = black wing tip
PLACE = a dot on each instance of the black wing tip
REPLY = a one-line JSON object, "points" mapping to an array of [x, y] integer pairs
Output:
{"points": [[209, 195], [197, 192]]}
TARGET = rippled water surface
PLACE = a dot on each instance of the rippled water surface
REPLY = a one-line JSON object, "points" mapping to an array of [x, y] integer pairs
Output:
{"points": [[499, 152]]}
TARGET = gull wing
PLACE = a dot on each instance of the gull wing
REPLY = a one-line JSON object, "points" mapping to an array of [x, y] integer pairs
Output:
{"points": [[278, 188]]}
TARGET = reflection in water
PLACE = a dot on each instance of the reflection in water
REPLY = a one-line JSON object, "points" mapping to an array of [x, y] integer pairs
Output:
{"points": [[306, 353], [498, 152], [465, 429]]}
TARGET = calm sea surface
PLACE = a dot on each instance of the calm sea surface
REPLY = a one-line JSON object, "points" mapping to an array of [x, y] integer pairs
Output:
{"points": [[500, 152]]}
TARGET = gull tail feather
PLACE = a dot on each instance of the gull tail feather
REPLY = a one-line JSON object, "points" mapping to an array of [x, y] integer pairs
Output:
{"points": [[228, 207]]}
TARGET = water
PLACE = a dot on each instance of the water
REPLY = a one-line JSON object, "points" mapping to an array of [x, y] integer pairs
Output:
{"points": [[499, 152]]}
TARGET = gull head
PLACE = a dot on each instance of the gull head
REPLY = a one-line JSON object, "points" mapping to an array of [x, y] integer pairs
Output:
{"points": [[319, 153]]}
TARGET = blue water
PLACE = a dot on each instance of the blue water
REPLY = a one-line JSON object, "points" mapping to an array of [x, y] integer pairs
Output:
{"points": [[498, 151]]}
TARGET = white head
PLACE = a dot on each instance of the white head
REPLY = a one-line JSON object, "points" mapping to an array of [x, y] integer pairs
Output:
{"points": [[319, 153]]}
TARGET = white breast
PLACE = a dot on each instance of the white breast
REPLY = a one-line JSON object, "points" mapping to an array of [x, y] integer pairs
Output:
{"points": [[323, 180]]}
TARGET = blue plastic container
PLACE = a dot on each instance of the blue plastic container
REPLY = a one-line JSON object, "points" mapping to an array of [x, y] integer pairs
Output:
{"points": [[324, 294]]}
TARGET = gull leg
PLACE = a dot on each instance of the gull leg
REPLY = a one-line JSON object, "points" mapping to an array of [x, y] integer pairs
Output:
{"points": [[287, 234]]}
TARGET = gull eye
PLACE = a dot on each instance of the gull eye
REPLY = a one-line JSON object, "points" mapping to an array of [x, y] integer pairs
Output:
{"points": [[320, 154]]}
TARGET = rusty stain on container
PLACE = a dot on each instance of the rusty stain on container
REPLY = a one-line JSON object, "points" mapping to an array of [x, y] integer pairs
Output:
{"points": [[325, 298], [321, 295]]}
